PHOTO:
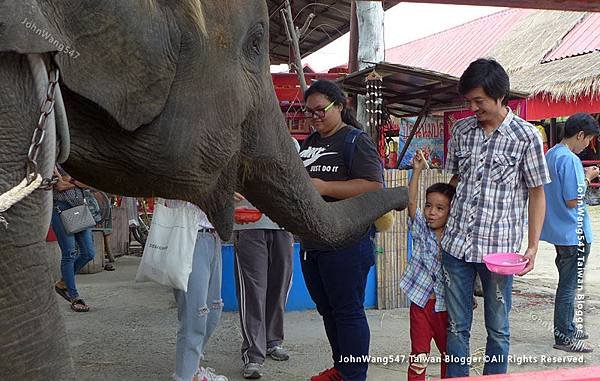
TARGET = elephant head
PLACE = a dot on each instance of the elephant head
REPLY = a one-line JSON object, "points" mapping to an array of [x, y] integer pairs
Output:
{"points": [[163, 98], [180, 104]]}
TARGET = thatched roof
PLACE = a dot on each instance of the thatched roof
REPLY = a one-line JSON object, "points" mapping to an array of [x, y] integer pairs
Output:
{"points": [[552, 53], [567, 78], [523, 49], [531, 38]]}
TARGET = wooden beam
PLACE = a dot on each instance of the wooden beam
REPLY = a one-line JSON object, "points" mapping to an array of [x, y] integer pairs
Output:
{"points": [[422, 94], [566, 5], [399, 105]]}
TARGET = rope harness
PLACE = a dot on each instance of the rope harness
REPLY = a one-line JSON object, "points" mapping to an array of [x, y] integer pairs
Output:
{"points": [[33, 179]]}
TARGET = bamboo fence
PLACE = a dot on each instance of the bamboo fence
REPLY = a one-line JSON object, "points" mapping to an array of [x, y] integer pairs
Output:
{"points": [[392, 246]]}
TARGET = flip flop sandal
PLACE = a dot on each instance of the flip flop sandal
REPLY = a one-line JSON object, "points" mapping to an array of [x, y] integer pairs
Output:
{"points": [[62, 292], [78, 305]]}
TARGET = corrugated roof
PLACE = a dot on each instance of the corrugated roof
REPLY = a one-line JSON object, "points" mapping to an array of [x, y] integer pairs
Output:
{"points": [[452, 50], [584, 38]]}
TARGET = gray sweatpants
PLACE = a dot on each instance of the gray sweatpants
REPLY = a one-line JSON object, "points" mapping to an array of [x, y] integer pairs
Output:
{"points": [[263, 272]]}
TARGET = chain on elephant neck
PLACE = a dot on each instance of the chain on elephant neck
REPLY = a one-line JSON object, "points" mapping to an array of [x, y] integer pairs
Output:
{"points": [[33, 179]]}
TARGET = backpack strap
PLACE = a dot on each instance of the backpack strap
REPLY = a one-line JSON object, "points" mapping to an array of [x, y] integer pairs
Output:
{"points": [[350, 145]]}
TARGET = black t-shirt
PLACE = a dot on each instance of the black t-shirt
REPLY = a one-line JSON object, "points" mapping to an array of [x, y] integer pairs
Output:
{"points": [[324, 158]]}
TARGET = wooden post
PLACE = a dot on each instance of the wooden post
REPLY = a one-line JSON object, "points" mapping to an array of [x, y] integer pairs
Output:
{"points": [[371, 47], [353, 49]]}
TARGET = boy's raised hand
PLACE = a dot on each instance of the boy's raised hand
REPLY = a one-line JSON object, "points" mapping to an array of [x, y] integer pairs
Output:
{"points": [[419, 161]]}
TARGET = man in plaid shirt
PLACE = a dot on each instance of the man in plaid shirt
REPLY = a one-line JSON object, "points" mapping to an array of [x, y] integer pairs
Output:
{"points": [[498, 164]]}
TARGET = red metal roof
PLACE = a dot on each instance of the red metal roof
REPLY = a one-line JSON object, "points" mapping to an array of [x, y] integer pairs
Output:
{"points": [[583, 38], [452, 50]]}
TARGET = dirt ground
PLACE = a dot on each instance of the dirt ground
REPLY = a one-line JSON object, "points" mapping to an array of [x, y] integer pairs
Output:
{"points": [[129, 334]]}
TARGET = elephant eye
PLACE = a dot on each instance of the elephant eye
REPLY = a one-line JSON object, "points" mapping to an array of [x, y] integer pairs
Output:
{"points": [[254, 47]]}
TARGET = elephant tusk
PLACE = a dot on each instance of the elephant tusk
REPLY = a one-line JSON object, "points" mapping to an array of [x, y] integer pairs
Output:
{"points": [[63, 137]]}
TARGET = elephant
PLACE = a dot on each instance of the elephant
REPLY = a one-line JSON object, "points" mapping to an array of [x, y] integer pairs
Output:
{"points": [[162, 98]]}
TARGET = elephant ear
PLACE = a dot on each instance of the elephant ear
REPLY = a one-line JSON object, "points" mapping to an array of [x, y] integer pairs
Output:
{"points": [[121, 55], [125, 56], [25, 28]]}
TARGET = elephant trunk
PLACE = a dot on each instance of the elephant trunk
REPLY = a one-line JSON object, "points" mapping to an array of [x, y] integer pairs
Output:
{"points": [[280, 187]]}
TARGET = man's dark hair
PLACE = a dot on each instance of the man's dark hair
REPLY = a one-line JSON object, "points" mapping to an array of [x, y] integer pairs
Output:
{"points": [[443, 188], [489, 75], [581, 122]]}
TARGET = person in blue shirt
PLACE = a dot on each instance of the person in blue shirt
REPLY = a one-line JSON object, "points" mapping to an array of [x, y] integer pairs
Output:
{"points": [[423, 280], [567, 226]]}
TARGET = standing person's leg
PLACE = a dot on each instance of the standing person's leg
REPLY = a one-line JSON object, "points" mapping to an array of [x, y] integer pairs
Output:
{"points": [[420, 342], [497, 302], [582, 257], [68, 250], [215, 302], [281, 251], [344, 276], [252, 262], [192, 311], [107, 249], [566, 264], [318, 293], [87, 251], [439, 322], [458, 285]]}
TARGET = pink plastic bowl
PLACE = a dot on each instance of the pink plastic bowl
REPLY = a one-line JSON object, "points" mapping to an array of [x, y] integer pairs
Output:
{"points": [[505, 263]]}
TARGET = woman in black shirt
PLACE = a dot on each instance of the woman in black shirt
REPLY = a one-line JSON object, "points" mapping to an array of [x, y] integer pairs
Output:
{"points": [[336, 277]]}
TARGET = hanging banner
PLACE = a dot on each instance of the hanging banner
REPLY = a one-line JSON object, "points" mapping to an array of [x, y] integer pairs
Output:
{"points": [[429, 138]]}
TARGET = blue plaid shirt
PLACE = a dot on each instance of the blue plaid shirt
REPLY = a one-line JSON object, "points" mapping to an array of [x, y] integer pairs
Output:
{"points": [[490, 206], [424, 273]]}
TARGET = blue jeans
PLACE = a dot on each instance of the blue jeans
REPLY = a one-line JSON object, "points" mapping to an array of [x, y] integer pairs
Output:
{"points": [[199, 309], [497, 289], [570, 262], [72, 260], [336, 281]]}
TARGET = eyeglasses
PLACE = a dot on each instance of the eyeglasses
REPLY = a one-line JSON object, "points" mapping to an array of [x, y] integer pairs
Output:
{"points": [[318, 113]]}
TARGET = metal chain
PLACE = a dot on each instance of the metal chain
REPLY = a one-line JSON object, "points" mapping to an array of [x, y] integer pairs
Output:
{"points": [[40, 132]]}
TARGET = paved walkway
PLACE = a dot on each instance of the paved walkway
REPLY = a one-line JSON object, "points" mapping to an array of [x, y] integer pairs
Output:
{"points": [[129, 334]]}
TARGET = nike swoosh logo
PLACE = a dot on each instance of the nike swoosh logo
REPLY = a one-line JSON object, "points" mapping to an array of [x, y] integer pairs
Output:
{"points": [[311, 160]]}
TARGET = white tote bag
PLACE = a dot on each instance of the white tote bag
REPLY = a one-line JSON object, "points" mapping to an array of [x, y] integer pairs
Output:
{"points": [[169, 249]]}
